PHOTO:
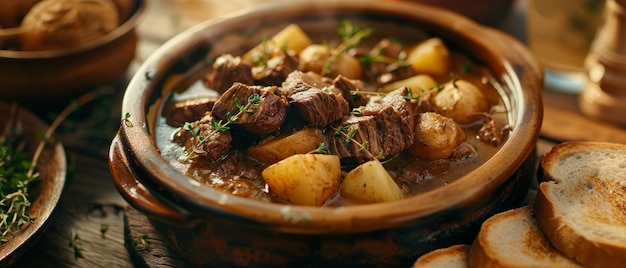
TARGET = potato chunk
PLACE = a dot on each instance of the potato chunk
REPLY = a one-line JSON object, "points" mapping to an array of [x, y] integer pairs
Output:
{"points": [[276, 149], [418, 83], [436, 136], [462, 101], [291, 37], [370, 183], [304, 179], [315, 57], [430, 57]]}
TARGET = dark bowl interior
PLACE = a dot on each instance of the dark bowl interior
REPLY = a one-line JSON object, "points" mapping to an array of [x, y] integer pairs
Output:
{"points": [[177, 203]]}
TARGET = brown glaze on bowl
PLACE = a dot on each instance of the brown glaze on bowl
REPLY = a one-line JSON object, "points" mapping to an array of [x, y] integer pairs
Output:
{"points": [[36, 78], [45, 195], [483, 11], [212, 228]]}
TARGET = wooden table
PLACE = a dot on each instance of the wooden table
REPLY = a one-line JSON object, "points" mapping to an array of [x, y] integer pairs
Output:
{"points": [[91, 202]]}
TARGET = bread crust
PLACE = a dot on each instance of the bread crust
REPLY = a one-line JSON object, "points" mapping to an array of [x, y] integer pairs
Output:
{"points": [[458, 252], [532, 243], [568, 238]]}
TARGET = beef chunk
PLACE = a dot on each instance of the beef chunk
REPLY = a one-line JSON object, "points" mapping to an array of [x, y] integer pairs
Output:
{"points": [[314, 100], [398, 101], [354, 140], [345, 86], [213, 145], [188, 110], [227, 70], [299, 81], [260, 119], [384, 128], [319, 108], [275, 70]]}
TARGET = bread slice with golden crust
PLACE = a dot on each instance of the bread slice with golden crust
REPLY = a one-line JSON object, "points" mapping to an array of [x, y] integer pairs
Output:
{"points": [[450, 257], [513, 239], [581, 205]]}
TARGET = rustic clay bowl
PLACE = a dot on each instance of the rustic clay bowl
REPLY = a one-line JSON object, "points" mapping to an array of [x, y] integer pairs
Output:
{"points": [[36, 78], [482, 11], [208, 227], [46, 194]]}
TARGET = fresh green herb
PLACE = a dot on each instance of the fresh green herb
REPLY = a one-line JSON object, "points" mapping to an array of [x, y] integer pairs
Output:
{"points": [[411, 96], [265, 52], [75, 245], [350, 139], [351, 36], [142, 240], [351, 135], [103, 229], [254, 100], [147, 75], [127, 120], [18, 172], [380, 58], [321, 149], [467, 68]]}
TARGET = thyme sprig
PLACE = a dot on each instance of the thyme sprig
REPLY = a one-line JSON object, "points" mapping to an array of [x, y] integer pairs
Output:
{"points": [[380, 58], [254, 100], [349, 133], [351, 36], [17, 172]]}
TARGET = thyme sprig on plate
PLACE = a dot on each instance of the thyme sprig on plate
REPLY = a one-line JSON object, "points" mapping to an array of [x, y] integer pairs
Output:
{"points": [[18, 171]]}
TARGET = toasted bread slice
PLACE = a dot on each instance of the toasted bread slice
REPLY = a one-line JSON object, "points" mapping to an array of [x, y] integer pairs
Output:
{"points": [[513, 239], [450, 257], [581, 205]]}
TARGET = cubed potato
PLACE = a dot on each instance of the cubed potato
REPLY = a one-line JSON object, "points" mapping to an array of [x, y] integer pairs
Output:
{"points": [[430, 57], [292, 37], [370, 183], [304, 179], [417, 83], [273, 150]]}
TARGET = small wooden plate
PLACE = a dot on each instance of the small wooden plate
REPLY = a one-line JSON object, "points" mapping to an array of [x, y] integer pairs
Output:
{"points": [[45, 194]]}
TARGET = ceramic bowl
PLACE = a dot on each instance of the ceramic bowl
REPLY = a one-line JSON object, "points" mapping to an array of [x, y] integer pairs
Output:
{"points": [[44, 195], [48, 77], [482, 11], [208, 227]]}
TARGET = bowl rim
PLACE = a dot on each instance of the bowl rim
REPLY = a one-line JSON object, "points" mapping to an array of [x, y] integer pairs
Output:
{"points": [[24, 238], [521, 143], [125, 27]]}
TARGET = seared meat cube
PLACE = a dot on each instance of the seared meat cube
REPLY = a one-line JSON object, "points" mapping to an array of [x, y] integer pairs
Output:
{"points": [[299, 81], [262, 118], [355, 140], [227, 70], [201, 140], [314, 100], [398, 101], [275, 70], [383, 129], [349, 88], [188, 110], [318, 107]]}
